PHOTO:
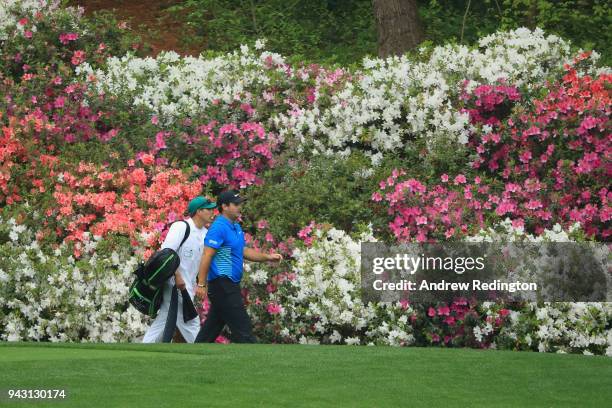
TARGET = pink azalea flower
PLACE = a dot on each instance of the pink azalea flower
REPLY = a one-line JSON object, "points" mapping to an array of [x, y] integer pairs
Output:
{"points": [[274, 308], [525, 156], [460, 179], [160, 142], [533, 204], [78, 57], [443, 311], [65, 38], [59, 102], [147, 159], [222, 340]]}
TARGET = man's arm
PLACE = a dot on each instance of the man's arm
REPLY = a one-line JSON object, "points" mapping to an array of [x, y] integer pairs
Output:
{"points": [[207, 257], [205, 261], [255, 256]]}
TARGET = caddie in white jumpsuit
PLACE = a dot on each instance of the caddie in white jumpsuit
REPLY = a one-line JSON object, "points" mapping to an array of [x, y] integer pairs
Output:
{"points": [[201, 214]]}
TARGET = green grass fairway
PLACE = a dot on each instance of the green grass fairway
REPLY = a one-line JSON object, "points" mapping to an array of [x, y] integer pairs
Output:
{"points": [[268, 375]]}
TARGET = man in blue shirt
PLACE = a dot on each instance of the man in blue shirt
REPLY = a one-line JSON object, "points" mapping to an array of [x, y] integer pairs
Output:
{"points": [[220, 273]]}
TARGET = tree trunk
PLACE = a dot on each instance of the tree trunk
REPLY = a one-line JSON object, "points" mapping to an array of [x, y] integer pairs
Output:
{"points": [[398, 24], [532, 15]]}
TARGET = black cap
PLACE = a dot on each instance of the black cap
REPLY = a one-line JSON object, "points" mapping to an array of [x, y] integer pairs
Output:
{"points": [[230, 196]]}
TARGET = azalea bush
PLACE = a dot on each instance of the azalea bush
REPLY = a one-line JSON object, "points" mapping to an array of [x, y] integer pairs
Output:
{"points": [[75, 299], [315, 300], [562, 327], [383, 106], [319, 302], [239, 84], [129, 202], [35, 34], [556, 154], [52, 114], [12, 154], [318, 298], [396, 100], [101, 148], [227, 154], [531, 168]]}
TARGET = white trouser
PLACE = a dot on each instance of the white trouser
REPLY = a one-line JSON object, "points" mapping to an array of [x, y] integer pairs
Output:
{"points": [[189, 330]]}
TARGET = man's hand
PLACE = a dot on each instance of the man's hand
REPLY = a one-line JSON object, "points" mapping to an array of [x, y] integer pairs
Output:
{"points": [[200, 293], [180, 283], [275, 257], [255, 256]]}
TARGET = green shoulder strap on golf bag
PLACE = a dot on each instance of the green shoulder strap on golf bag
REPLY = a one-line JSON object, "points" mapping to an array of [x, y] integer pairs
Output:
{"points": [[147, 288]]}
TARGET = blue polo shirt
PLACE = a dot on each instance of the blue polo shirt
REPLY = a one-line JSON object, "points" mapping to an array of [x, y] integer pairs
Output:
{"points": [[228, 239]]}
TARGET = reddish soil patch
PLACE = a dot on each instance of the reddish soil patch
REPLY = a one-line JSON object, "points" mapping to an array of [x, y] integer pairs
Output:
{"points": [[151, 20]]}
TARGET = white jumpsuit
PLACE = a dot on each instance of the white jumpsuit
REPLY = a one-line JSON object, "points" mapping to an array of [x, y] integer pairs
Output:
{"points": [[189, 255]]}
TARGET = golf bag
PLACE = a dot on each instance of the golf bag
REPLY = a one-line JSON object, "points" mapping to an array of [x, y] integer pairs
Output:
{"points": [[147, 288]]}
